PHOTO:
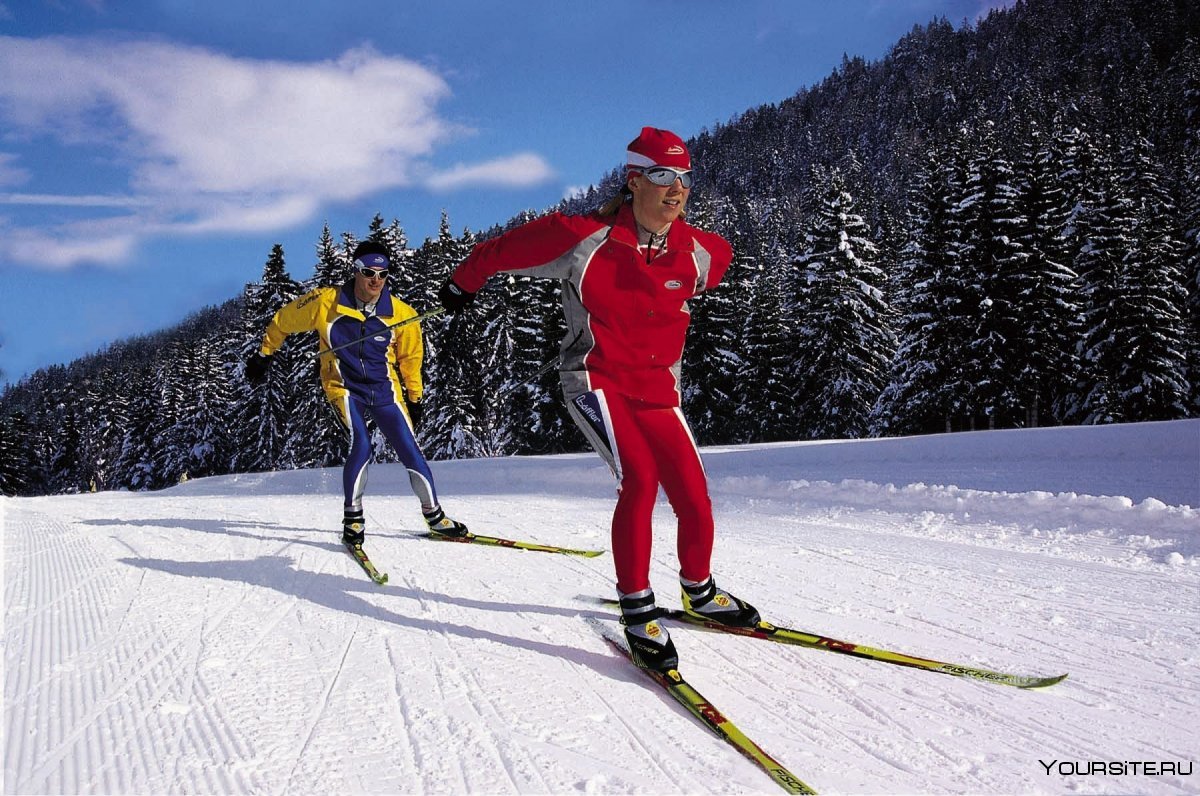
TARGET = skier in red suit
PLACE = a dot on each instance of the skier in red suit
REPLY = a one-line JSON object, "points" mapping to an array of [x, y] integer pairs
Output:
{"points": [[627, 272]]}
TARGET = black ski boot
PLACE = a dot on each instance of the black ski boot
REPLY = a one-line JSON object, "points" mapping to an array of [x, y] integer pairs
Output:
{"points": [[706, 601], [442, 525], [353, 527], [649, 641]]}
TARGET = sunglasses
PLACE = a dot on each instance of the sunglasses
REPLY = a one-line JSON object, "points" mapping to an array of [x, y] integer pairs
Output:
{"points": [[665, 175], [374, 273]]}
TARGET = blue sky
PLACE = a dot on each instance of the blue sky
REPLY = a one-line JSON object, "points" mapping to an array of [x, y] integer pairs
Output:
{"points": [[152, 152]]}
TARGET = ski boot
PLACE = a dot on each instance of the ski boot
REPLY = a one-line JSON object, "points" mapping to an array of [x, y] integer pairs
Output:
{"points": [[442, 525], [706, 601], [648, 641], [353, 527]]}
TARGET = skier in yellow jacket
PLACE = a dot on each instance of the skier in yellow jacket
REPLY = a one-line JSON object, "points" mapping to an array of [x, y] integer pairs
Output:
{"points": [[380, 374]]}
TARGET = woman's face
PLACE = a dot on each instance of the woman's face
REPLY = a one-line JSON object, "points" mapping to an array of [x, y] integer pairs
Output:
{"points": [[656, 206]]}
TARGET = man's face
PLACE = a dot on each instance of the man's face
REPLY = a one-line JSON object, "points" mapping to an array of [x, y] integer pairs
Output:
{"points": [[369, 279]]}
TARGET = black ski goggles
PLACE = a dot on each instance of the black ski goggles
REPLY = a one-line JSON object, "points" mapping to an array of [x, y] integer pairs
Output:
{"points": [[665, 175]]}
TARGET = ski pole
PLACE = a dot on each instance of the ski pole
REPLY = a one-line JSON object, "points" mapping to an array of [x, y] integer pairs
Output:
{"points": [[542, 371], [396, 325]]}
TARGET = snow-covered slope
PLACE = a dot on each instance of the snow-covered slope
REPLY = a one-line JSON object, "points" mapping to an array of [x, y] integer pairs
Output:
{"points": [[214, 638]]}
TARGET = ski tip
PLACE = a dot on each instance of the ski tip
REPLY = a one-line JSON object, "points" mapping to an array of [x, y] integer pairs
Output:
{"points": [[1045, 682]]}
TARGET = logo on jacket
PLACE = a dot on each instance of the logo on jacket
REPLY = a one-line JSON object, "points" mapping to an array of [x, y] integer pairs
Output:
{"points": [[380, 339], [672, 284]]}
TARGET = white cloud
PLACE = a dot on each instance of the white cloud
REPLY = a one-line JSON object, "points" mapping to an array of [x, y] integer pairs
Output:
{"points": [[213, 143], [516, 171], [55, 253], [10, 172], [70, 200]]}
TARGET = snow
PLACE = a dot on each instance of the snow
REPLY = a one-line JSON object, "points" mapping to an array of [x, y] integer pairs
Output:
{"points": [[214, 638]]}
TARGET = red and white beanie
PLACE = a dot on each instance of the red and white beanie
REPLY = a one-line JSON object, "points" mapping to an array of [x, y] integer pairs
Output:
{"points": [[655, 147]]}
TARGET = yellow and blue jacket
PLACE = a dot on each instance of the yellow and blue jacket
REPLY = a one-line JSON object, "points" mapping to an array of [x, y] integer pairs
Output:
{"points": [[382, 367]]}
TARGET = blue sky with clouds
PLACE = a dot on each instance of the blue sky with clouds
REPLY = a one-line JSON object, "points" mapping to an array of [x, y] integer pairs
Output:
{"points": [[153, 151]]}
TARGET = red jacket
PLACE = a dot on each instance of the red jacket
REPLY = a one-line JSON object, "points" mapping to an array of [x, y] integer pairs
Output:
{"points": [[626, 320]]}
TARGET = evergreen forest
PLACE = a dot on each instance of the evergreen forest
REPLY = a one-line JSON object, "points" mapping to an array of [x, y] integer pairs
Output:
{"points": [[996, 225]]}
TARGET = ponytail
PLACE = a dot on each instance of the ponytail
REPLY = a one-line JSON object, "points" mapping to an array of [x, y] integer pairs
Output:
{"points": [[613, 205]]}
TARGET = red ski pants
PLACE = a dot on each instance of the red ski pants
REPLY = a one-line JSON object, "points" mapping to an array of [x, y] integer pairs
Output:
{"points": [[646, 448]]}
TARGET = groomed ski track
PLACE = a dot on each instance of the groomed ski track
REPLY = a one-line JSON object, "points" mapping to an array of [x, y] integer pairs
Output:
{"points": [[216, 638]]}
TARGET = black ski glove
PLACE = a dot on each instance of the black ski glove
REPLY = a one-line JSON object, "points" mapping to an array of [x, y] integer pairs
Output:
{"points": [[416, 412], [454, 298], [256, 369]]}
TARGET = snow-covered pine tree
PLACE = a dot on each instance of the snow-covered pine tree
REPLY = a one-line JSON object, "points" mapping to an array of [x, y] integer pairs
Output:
{"points": [[168, 452], [1190, 213], [315, 435], [710, 358], [64, 469], [103, 412], [920, 396], [14, 453], [134, 463], [1045, 312], [333, 263], [766, 412], [453, 426], [507, 347], [990, 259], [264, 413], [1099, 231], [843, 342], [1151, 379], [551, 429], [194, 413], [209, 411]]}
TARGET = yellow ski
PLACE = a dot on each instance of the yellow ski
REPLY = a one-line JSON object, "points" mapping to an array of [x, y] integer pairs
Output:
{"points": [[714, 720], [786, 635], [495, 541]]}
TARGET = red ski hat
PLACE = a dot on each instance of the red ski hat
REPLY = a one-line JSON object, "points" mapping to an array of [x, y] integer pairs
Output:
{"points": [[655, 147]]}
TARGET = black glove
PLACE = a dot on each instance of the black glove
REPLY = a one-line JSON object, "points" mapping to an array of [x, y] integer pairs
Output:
{"points": [[256, 368], [454, 298], [416, 412]]}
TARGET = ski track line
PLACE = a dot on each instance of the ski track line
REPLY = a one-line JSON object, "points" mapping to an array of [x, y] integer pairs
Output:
{"points": [[464, 672], [441, 676], [63, 601], [519, 767], [500, 708], [578, 567], [287, 607], [168, 691], [1052, 603], [633, 738], [405, 720], [98, 703], [164, 724], [752, 664], [320, 709], [454, 691], [431, 753], [506, 751], [902, 739], [207, 726]]}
